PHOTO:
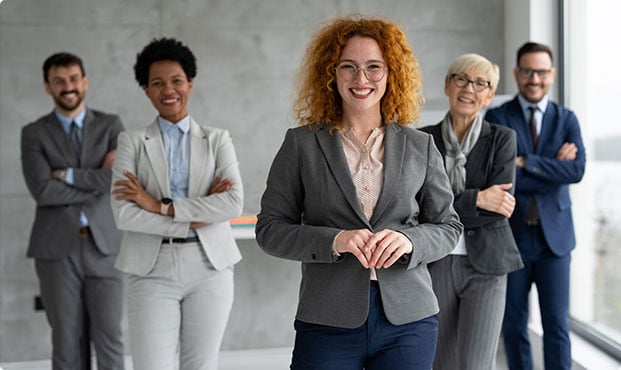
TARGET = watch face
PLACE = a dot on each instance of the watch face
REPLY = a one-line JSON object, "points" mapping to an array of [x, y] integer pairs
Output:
{"points": [[166, 200]]}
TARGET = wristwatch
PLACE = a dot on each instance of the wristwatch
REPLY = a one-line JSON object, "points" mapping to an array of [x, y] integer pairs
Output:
{"points": [[166, 202]]}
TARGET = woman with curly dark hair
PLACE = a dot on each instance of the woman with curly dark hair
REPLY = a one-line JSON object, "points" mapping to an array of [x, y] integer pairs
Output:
{"points": [[176, 185], [362, 201]]}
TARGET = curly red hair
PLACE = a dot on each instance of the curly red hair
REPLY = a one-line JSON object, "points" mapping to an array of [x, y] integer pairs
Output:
{"points": [[317, 98]]}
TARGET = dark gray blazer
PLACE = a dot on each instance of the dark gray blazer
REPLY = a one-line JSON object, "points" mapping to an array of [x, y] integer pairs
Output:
{"points": [[45, 147], [310, 198], [489, 240]]}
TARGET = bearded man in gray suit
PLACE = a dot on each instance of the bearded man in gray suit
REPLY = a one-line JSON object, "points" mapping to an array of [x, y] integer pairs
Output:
{"points": [[66, 160]]}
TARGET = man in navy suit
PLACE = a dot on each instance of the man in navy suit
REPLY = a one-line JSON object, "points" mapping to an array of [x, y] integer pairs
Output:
{"points": [[550, 156]]}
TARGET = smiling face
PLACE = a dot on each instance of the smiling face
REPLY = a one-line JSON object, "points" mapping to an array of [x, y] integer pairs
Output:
{"points": [[535, 86], [67, 86], [361, 94], [465, 103], [169, 89]]}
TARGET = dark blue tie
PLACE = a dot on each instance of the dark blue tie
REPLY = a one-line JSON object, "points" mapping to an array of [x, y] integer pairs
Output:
{"points": [[532, 213], [74, 139], [533, 125]]}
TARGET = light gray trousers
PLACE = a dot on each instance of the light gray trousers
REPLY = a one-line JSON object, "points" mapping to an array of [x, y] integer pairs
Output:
{"points": [[471, 311], [178, 313]]}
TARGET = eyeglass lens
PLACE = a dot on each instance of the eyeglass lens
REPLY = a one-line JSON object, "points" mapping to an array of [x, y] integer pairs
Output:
{"points": [[372, 73], [478, 85]]}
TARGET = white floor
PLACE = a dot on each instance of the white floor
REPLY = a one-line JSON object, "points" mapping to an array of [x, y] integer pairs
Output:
{"points": [[258, 359]]}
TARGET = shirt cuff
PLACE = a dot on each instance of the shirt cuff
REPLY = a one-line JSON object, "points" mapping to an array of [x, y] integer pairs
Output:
{"points": [[69, 177], [334, 252]]}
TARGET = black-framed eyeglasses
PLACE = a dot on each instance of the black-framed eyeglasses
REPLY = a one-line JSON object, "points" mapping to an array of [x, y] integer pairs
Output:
{"points": [[373, 72], [462, 81], [527, 73]]}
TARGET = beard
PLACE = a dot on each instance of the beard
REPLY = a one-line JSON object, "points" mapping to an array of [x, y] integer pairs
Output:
{"points": [[69, 107]]}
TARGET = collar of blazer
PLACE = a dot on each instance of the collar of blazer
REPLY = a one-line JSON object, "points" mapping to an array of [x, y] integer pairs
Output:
{"points": [[394, 152], [199, 148]]}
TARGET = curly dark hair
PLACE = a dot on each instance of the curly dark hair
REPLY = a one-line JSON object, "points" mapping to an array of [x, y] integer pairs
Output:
{"points": [[317, 100], [164, 49]]}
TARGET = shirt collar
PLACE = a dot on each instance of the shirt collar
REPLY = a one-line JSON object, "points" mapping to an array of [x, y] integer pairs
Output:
{"points": [[525, 104], [66, 121], [183, 125]]}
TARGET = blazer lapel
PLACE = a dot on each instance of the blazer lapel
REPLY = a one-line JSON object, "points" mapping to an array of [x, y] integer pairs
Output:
{"points": [[478, 154], [331, 147], [154, 147], [547, 126], [394, 151], [199, 151], [89, 135], [519, 124], [58, 135]]}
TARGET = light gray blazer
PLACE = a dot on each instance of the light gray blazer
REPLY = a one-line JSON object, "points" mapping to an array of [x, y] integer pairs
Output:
{"points": [[310, 197], [45, 147], [212, 154]]}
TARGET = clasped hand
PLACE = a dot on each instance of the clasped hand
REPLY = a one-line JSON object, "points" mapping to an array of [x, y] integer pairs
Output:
{"points": [[378, 250]]}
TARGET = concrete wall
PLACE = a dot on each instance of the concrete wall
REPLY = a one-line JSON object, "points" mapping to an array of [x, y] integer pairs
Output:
{"points": [[248, 51]]}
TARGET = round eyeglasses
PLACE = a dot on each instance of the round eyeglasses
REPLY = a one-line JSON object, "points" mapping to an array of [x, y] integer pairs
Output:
{"points": [[462, 81], [373, 72]]}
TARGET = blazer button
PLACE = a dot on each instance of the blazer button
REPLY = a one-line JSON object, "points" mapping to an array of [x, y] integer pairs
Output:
{"points": [[314, 256], [470, 233]]}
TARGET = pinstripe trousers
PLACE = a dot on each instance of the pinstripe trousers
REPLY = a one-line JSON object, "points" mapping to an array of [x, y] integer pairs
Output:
{"points": [[471, 311]]}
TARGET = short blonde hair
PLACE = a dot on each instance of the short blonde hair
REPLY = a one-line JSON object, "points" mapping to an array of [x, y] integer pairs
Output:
{"points": [[477, 64], [317, 99]]}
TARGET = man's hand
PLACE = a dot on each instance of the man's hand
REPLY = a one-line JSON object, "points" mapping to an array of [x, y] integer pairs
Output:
{"points": [[108, 159], [520, 162], [567, 152], [59, 175], [132, 190], [497, 199]]}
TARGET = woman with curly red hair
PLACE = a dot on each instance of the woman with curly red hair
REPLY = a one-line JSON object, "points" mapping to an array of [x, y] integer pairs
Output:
{"points": [[362, 201]]}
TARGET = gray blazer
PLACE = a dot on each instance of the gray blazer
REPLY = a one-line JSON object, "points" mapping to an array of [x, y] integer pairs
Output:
{"points": [[212, 154], [489, 240], [310, 197], [45, 147]]}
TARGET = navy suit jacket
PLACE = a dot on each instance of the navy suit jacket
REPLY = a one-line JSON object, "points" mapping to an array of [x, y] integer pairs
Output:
{"points": [[544, 177], [489, 241]]}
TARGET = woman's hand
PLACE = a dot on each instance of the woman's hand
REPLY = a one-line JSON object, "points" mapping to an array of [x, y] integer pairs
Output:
{"points": [[497, 199], [387, 246], [354, 242], [220, 185], [132, 190]]}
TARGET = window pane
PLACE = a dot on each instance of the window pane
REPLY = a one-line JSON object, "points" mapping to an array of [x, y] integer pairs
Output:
{"points": [[597, 261]]}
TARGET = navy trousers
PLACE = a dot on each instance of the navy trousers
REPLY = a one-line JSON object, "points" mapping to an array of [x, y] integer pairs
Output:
{"points": [[376, 345], [550, 273]]}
